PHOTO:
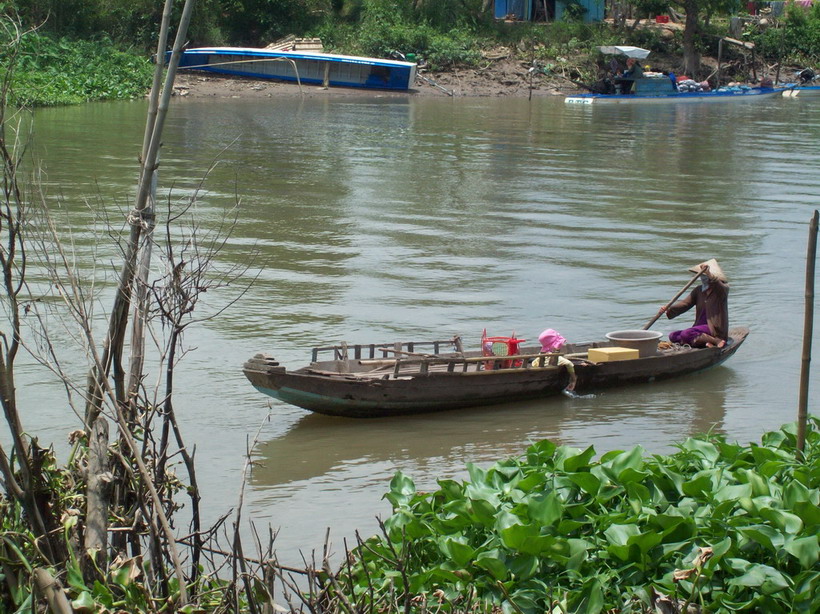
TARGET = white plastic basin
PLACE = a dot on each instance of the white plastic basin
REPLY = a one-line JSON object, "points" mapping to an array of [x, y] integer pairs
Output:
{"points": [[645, 341]]}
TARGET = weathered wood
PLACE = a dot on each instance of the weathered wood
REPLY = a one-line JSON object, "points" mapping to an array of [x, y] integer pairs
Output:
{"points": [[98, 479], [808, 331], [454, 381], [373, 347]]}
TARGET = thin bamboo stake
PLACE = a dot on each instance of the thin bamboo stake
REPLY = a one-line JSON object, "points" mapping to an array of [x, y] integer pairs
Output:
{"points": [[112, 351], [137, 332], [51, 589], [97, 479], [808, 329]]}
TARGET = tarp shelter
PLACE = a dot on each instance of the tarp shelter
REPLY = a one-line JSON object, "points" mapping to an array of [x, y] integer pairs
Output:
{"points": [[630, 52], [546, 10]]}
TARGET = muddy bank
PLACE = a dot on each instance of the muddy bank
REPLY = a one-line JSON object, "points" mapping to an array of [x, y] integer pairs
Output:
{"points": [[507, 77], [501, 77]]}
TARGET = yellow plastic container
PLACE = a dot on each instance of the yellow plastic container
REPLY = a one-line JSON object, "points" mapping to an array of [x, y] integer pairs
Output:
{"points": [[612, 354]]}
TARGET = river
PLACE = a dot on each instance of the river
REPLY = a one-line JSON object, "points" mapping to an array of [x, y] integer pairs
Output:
{"points": [[371, 219]]}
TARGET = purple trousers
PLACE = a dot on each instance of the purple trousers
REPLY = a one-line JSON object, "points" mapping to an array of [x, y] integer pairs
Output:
{"points": [[687, 336]]}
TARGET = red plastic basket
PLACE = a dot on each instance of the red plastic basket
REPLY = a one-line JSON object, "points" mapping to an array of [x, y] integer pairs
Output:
{"points": [[500, 346]]}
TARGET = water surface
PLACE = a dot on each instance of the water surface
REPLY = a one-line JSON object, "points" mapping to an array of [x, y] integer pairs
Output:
{"points": [[384, 219]]}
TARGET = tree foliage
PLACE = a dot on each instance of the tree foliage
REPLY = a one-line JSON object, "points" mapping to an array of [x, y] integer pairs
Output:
{"points": [[798, 38]]}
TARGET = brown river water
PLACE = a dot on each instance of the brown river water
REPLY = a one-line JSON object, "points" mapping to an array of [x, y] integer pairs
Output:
{"points": [[384, 219]]}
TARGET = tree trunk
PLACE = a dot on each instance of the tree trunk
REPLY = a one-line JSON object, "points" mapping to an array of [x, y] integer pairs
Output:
{"points": [[691, 58]]}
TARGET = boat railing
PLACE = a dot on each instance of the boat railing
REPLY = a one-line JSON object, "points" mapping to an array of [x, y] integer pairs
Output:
{"points": [[345, 351], [489, 363]]}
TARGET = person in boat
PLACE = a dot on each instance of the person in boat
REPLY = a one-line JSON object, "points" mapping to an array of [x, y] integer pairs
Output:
{"points": [[627, 79], [710, 299], [552, 341]]}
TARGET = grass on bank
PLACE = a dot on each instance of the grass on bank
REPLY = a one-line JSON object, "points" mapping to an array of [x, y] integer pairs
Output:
{"points": [[54, 71], [57, 71]]}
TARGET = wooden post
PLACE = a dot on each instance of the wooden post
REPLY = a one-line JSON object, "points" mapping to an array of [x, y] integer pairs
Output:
{"points": [[808, 327], [720, 58], [98, 478], [754, 65], [326, 80], [50, 588]]}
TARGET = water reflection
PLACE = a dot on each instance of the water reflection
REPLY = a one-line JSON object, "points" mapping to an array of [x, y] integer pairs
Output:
{"points": [[610, 419], [320, 461]]}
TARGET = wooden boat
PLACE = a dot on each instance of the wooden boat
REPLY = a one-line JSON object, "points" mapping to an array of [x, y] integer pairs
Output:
{"points": [[659, 89], [302, 66], [365, 381]]}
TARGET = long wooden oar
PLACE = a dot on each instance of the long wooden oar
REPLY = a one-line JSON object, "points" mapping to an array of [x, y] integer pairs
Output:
{"points": [[676, 297]]}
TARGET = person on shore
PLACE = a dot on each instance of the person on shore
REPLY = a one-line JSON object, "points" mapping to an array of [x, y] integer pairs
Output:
{"points": [[710, 299], [552, 341]]}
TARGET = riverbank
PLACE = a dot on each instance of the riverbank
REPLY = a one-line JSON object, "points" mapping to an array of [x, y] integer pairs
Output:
{"points": [[508, 77], [503, 77]]}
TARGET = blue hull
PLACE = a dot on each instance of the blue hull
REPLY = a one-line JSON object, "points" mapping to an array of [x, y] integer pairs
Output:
{"points": [[754, 93], [304, 67]]}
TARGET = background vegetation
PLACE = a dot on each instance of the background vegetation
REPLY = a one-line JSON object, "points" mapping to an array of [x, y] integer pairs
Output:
{"points": [[83, 48], [719, 526]]}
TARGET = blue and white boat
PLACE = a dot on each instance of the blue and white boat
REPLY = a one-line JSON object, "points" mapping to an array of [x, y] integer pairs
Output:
{"points": [[807, 85], [314, 67], [660, 89], [802, 91]]}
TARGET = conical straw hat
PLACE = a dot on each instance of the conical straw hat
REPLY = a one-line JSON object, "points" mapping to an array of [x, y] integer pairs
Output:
{"points": [[714, 269]]}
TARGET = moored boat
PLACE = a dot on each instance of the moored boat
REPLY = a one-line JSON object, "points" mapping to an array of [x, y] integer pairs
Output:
{"points": [[807, 85], [378, 380], [660, 90], [302, 66], [802, 91]]}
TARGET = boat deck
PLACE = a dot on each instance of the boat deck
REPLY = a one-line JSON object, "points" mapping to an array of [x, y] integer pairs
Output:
{"points": [[411, 366]]}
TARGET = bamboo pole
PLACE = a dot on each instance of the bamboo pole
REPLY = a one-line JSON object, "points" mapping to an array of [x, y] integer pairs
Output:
{"points": [[112, 350], [719, 60], [669, 304], [113, 347], [808, 328], [97, 479], [119, 319], [137, 332], [50, 588]]}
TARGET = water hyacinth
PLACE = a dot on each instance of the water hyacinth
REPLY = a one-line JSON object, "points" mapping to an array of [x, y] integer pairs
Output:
{"points": [[714, 527]]}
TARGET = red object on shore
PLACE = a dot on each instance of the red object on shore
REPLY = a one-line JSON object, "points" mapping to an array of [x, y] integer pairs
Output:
{"points": [[682, 78], [661, 18]]}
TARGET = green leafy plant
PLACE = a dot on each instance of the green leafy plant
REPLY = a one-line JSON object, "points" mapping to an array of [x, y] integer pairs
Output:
{"points": [[59, 71], [717, 524]]}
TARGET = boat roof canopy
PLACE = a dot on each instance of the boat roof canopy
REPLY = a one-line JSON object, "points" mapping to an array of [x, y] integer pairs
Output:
{"points": [[630, 52]]}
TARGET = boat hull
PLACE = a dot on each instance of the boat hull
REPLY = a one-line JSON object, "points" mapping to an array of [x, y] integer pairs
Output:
{"points": [[351, 396], [676, 97], [305, 67]]}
